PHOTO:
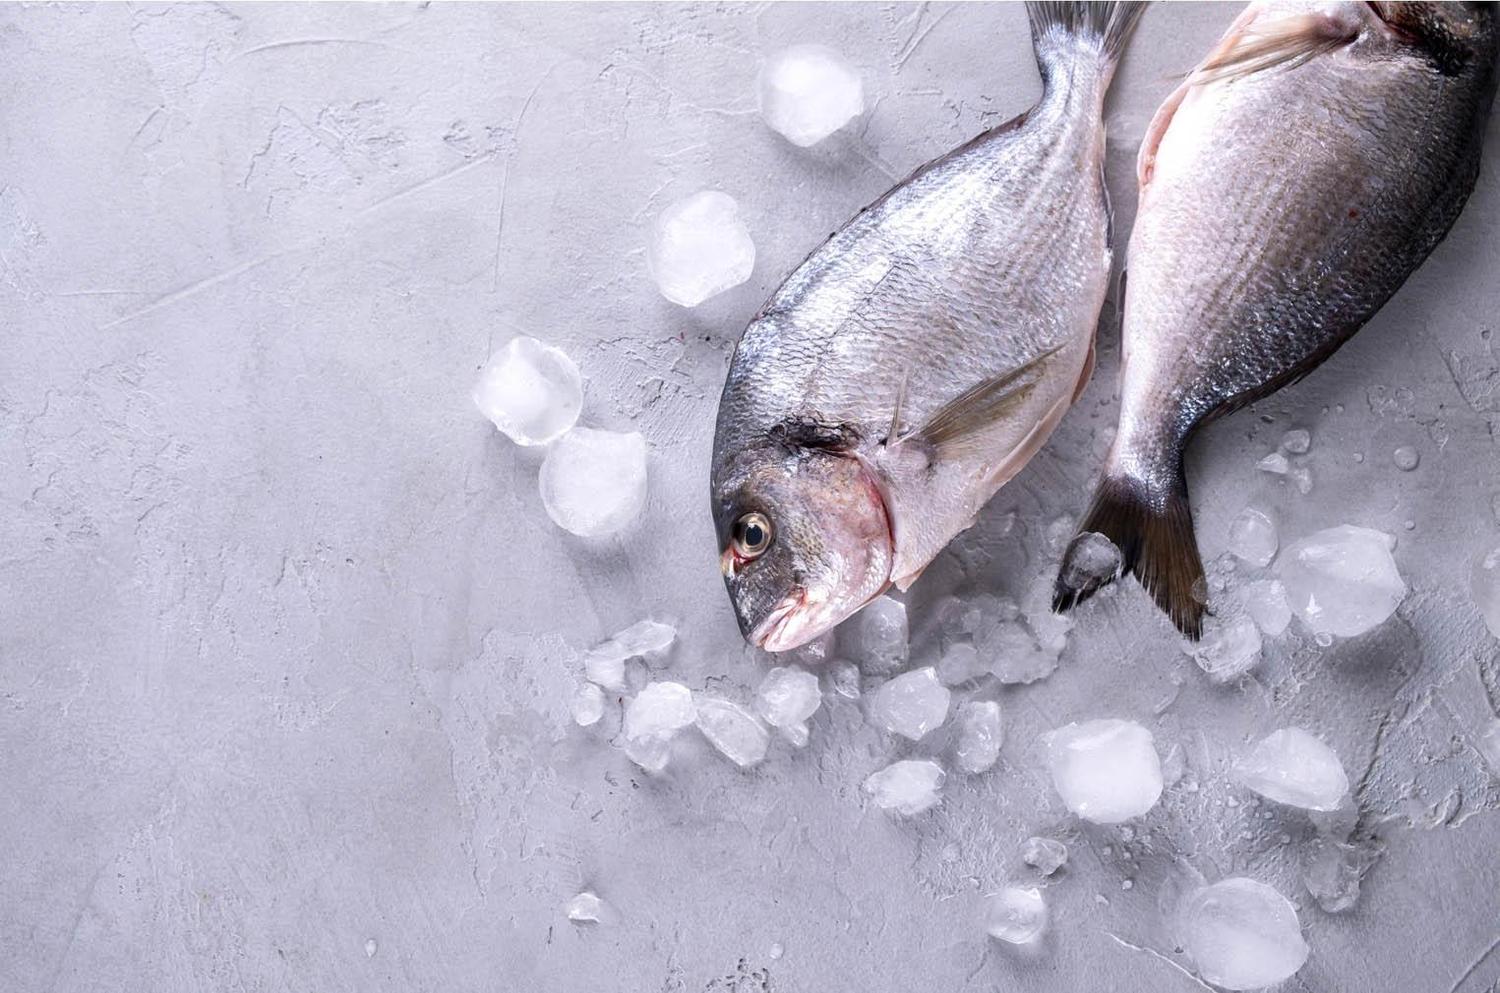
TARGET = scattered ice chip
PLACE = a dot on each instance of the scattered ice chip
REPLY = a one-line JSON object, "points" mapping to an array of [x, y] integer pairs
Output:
{"points": [[1015, 915], [1489, 746], [587, 907], [1228, 649], [659, 709], [733, 730], [1274, 463], [530, 391], [587, 705], [593, 483], [1242, 934], [1484, 585], [907, 787], [1265, 601], [651, 752], [911, 704], [807, 92], [880, 635], [371, 948], [788, 696], [980, 734], [1252, 537], [1293, 767], [1334, 869], [605, 662], [959, 664], [843, 676], [797, 734], [1045, 855], [1341, 581], [1297, 441], [1406, 458], [699, 248], [1106, 771], [1094, 559]]}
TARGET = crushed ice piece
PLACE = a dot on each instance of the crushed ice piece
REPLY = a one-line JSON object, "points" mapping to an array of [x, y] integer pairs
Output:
{"points": [[797, 734], [1016, 915], [1302, 477], [699, 247], [1484, 586], [371, 948], [1013, 653], [1275, 463], [807, 92], [1050, 629], [1293, 767], [960, 663], [587, 705], [530, 391], [911, 704], [814, 652], [775, 951], [1242, 934], [659, 710], [1341, 581], [907, 787], [788, 696], [1092, 559], [1334, 869], [593, 483], [1252, 537], [1489, 746], [586, 907], [1297, 441], [1045, 855], [980, 734], [605, 662], [1228, 649], [1106, 770], [1265, 601], [1406, 458], [651, 753], [843, 676], [733, 730], [880, 635]]}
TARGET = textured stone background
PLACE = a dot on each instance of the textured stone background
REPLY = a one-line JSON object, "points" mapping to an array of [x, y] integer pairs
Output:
{"points": [[286, 637]]}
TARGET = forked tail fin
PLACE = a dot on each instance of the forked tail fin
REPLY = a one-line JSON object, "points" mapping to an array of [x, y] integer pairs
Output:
{"points": [[1060, 28], [1154, 533]]}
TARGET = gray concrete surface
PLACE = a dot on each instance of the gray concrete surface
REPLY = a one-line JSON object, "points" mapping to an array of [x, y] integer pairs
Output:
{"points": [[286, 637]]}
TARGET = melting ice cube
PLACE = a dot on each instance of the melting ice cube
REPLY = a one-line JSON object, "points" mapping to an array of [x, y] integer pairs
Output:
{"points": [[1093, 559], [980, 734], [807, 92], [605, 662], [587, 705], [907, 787], [530, 390], [911, 704], [1342, 581], [586, 907], [1106, 771], [593, 483], [1013, 652], [660, 709], [1265, 601], [733, 730], [1252, 537], [1045, 855], [843, 676], [1334, 869], [1293, 767], [1484, 584], [1297, 441], [1242, 934], [959, 664], [1015, 915], [1275, 463], [1229, 648], [699, 248], [880, 635], [788, 697]]}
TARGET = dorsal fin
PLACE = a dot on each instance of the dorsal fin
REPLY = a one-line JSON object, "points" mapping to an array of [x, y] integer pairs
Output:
{"points": [[955, 423]]}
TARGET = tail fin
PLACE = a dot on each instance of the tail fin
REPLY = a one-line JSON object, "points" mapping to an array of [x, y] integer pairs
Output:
{"points": [[1154, 533], [1103, 27]]}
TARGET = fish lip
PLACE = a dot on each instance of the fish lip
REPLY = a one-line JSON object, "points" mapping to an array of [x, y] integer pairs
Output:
{"points": [[771, 634]]}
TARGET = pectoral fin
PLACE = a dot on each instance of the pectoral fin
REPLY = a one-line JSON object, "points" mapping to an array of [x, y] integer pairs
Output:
{"points": [[953, 428], [1283, 42]]}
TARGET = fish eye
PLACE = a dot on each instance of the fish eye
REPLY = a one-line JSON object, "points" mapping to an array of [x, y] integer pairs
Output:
{"points": [[751, 535]]}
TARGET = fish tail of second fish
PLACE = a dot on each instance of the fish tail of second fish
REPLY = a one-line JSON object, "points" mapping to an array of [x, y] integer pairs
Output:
{"points": [[1151, 524], [1060, 31]]}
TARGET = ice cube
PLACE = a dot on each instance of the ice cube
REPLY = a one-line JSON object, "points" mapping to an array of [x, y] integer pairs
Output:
{"points": [[880, 635], [907, 787], [530, 391], [959, 664], [1106, 771], [1406, 458], [1293, 767], [807, 92], [605, 662], [1265, 601], [699, 248], [843, 676], [980, 734], [1015, 915], [1229, 648], [1341, 581], [1297, 441], [1275, 463], [1489, 746], [659, 708], [1045, 855], [1252, 537], [1484, 585], [788, 696], [1014, 654], [1242, 934], [733, 730], [593, 483], [1334, 869], [912, 704], [651, 753], [1092, 559], [587, 705], [586, 907]]}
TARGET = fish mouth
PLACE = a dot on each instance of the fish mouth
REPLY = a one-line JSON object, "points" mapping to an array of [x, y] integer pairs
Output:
{"points": [[791, 623]]}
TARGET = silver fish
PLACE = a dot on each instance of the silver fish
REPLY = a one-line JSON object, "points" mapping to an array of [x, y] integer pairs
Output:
{"points": [[918, 359], [1287, 189]]}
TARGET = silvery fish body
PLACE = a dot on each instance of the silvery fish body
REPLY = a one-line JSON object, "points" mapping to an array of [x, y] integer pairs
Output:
{"points": [[1287, 190], [916, 361]]}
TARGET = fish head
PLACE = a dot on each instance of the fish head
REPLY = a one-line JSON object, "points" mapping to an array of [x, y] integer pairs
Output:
{"points": [[804, 541], [1453, 34]]}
